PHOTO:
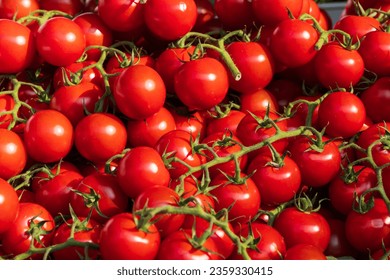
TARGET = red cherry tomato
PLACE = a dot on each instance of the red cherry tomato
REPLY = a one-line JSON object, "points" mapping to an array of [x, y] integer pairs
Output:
{"points": [[48, 136], [17, 47], [60, 41], [9, 205]]}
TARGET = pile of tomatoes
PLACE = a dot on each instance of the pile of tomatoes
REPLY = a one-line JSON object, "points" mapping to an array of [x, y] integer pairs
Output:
{"points": [[194, 129]]}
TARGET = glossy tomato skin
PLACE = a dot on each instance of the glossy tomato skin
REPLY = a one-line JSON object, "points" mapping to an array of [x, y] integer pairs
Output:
{"points": [[141, 168], [71, 7], [16, 240], [178, 143], [17, 9], [276, 184], [271, 245], [7, 103], [139, 92], [342, 113], [374, 50], [112, 199], [192, 122], [48, 136], [304, 252], [259, 100], [202, 83], [9, 205], [17, 47], [244, 197], [148, 131], [128, 15], [224, 144], [234, 14], [96, 32], [317, 168], [159, 196], [72, 71], [342, 193], [357, 26], [88, 232], [252, 131], [120, 239], [299, 227], [55, 193], [170, 20], [256, 64], [376, 100], [60, 41], [177, 247], [169, 61], [271, 12], [337, 67], [74, 100], [293, 41], [13, 156], [99, 136], [371, 230], [225, 123]]}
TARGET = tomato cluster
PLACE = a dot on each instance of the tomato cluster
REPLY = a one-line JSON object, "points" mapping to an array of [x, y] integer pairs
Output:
{"points": [[194, 129]]}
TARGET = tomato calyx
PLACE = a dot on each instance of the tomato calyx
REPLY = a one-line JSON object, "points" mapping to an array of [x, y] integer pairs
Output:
{"points": [[362, 205], [306, 204], [91, 201], [350, 175]]}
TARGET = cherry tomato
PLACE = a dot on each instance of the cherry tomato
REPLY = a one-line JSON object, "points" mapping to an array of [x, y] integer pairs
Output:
{"points": [[256, 127], [17, 47], [170, 20], [9, 205], [244, 198], [374, 49], [343, 189], [276, 183], [48, 136], [256, 64], [76, 74], [271, 12], [71, 7], [299, 227], [356, 26], [194, 123], [169, 61], [17, 239], [271, 245], [148, 131], [177, 246], [55, 193], [202, 83], [121, 239], [375, 100], [16, 9], [226, 123], [87, 231], [293, 42], [259, 100], [139, 92], [96, 33], [342, 114], [317, 168], [141, 168], [7, 103], [304, 252], [223, 144], [60, 41], [178, 143], [100, 136], [101, 191], [74, 101], [338, 67], [371, 230], [159, 196], [234, 14], [13, 156], [128, 15]]}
